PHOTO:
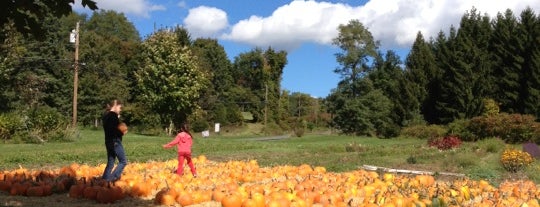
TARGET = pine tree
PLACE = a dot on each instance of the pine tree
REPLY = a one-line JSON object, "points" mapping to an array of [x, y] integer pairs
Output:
{"points": [[530, 79], [505, 46], [420, 75]]}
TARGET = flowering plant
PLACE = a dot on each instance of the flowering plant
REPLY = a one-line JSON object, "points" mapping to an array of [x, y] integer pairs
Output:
{"points": [[445, 143], [514, 160]]}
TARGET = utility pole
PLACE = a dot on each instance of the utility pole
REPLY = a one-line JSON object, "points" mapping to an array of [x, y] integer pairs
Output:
{"points": [[75, 36]]}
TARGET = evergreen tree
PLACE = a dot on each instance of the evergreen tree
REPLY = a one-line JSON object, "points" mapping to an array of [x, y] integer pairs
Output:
{"points": [[505, 46], [420, 79], [388, 77], [441, 51], [530, 74]]}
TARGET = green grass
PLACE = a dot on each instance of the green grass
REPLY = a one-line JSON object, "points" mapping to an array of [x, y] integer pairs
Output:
{"points": [[478, 160]]}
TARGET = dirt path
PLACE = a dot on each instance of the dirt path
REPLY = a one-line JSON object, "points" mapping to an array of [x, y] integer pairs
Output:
{"points": [[270, 138]]}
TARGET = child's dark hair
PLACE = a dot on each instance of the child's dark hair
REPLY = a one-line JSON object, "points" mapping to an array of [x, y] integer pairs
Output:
{"points": [[185, 128]]}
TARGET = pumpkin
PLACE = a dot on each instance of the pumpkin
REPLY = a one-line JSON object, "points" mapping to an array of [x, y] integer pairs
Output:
{"points": [[35, 191], [232, 200], [185, 199], [105, 195], [163, 197], [76, 191], [5, 185], [123, 128]]}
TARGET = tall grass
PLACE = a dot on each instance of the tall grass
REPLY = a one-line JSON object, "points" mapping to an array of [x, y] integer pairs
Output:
{"points": [[479, 160]]}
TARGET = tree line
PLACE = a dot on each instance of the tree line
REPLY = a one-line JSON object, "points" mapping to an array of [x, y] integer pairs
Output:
{"points": [[443, 79], [167, 77], [164, 79]]}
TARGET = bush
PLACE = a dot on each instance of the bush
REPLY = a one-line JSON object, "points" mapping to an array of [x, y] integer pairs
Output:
{"points": [[199, 125], [388, 130], [512, 128], [38, 125], [532, 149], [299, 127], [514, 160], [10, 123], [460, 128], [424, 131], [45, 119], [272, 128], [445, 143]]}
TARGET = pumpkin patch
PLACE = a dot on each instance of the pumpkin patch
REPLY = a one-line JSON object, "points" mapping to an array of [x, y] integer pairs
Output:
{"points": [[246, 184]]}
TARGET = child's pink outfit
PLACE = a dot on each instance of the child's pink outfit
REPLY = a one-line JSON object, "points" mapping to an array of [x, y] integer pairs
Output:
{"points": [[183, 141]]}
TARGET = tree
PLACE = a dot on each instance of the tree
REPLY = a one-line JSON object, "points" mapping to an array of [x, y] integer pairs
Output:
{"points": [[11, 51], [364, 115], [170, 79], [358, 47], [213, 60], [505, 46], [529, 97], [260, 72], [465, 77], [421, 76], [358, 106], [109, 46], [27, 15], [388, 76]]}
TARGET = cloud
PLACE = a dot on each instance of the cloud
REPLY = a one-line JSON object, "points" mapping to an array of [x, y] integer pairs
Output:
{"points": [[141, 8], [205, 21], [182, 4], [393, 22]]}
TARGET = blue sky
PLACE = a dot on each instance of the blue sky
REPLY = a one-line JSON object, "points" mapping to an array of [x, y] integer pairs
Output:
{"points": [[304, 28]]}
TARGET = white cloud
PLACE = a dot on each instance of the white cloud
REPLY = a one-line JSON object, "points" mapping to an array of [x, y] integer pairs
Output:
{"points": [[205, 21], [394, 22], [140, 8], [182, 4]]}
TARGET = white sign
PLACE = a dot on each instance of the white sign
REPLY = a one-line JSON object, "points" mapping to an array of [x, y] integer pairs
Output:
{"points": [[72, 36], [216, 128]]}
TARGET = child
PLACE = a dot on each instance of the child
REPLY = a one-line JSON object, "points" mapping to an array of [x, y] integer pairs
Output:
{"points": [[183, 140]]}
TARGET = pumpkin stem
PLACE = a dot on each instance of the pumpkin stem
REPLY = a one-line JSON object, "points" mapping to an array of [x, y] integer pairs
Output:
{"points": [[167, 184]]}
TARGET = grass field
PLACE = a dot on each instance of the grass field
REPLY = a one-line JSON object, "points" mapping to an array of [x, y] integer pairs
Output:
{"points": [[478, 160]]}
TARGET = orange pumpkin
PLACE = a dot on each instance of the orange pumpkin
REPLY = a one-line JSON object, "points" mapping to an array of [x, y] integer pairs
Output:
{"points": [[35, 191], [185, 199], [123, 128], [163, 197], [232, 200]]}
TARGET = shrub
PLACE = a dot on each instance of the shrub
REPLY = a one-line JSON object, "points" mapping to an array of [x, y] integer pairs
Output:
{"points": [[424, 131], [299, 127], [491, 145], [491, 107], [10, 123], [532, 149], [460, 128], [199, 125], [411, 160], [514, 160], [512, 128], [445, 143], [388, 130], [45, 119]]}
